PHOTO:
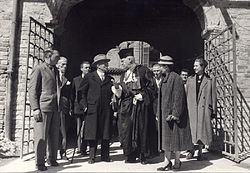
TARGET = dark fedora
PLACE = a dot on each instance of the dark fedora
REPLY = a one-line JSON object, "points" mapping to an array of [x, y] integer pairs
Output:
{"points": [[100, 58], [166, 60]]}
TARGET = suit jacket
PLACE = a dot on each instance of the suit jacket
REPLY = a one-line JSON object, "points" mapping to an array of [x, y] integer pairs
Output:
{"points": [[65, 93], [76, 95], [44, 91], [96, 96]]}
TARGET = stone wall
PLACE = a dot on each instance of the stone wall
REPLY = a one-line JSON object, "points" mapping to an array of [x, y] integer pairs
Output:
{"points": [[219, 17], [40, 12], [5, 29]]}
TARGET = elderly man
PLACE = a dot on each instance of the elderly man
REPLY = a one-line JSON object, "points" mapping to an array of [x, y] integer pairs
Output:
{"points": [[201, 99], [136, 93], [96, 99], [64, 103], [44, 99]]}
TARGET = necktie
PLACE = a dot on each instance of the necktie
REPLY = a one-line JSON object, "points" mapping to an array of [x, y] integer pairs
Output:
{"points": [[102, 77]]}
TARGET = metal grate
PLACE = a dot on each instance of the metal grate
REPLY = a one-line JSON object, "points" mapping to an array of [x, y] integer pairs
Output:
{"points": [[231, 126], [40, 38]]}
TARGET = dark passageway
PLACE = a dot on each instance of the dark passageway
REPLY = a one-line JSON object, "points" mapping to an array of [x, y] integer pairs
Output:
{"points": [[96, 26]]}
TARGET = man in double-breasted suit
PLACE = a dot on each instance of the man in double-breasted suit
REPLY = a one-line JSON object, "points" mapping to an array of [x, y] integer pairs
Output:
{"points": [[76, 108], [96, 99], [44, 97], [64, 104], [201, 99]]}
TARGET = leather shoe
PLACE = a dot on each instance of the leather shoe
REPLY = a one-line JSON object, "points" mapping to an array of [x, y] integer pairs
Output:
{"points": [[144, 162], [190, 155], [165, 168], [106, 160], [200, 158], [130, 161], [91, 161], [177, 166], [41, 167], [52, 163]]}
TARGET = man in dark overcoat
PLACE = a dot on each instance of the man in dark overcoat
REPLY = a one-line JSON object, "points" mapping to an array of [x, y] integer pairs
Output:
{"points": [[76, 108], [202, 106], [173, 115], [44, 94], [96, 99], [64, 104], [136, 105]]}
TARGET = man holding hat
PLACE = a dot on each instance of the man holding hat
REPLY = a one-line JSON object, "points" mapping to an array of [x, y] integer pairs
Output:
{"points": [[96, 98], [137, 91], [172, 115]]}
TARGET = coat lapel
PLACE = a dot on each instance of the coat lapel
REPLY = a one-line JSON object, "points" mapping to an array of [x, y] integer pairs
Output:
{"points": [[166, 78], [203, 84], [49, 71], [64, 80], [106, 80], [96, 77]]}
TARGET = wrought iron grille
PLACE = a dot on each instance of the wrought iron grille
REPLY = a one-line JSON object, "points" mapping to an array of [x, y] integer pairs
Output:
{"points": [[40, 38], [231, 126]]}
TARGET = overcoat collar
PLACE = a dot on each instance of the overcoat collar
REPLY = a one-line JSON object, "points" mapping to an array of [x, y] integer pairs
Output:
{"points": [[98, 79], [165, 79], [203, 84]]}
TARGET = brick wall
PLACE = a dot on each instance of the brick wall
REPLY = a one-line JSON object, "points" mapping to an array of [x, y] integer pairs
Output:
{"points": [[5, 28], [41, 13]]}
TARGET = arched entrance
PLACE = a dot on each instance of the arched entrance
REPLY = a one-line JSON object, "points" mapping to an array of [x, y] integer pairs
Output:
{"points": [[93, 27]]}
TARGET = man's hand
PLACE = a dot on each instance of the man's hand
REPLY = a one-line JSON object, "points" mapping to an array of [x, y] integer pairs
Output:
{"points": [[138, 97], [37, 115]]}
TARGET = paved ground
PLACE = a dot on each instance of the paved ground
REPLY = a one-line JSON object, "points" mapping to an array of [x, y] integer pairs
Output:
{"points": [[214, 163]]}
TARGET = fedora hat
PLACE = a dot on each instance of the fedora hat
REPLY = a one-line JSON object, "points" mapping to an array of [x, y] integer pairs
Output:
{"points": [[166, 60], [100, 58]]}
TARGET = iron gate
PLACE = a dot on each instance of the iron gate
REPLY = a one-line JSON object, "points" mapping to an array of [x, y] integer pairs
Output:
{"points": [[40, 38], [231, 126]]}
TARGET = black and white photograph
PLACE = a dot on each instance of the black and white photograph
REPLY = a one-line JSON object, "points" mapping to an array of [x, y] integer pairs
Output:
{"points": [[124, 85]]}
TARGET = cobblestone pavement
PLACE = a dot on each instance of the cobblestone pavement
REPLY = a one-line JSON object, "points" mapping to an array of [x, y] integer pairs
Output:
{"points": [[213, 163]]}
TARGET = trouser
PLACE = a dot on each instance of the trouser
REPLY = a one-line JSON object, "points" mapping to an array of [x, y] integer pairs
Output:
{"points": [[46, 133], [63, 130], [104, 149], [81, 143]]}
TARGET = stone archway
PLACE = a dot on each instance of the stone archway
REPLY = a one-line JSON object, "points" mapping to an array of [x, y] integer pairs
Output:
{"points": [[92, 27]]}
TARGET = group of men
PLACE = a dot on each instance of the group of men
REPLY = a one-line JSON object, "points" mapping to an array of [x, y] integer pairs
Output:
{"points": [[90, 97]]}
